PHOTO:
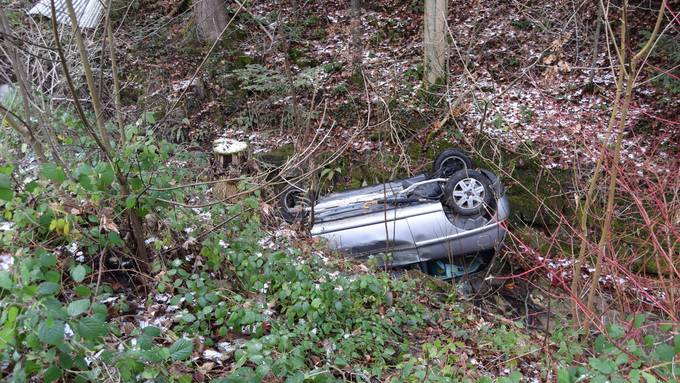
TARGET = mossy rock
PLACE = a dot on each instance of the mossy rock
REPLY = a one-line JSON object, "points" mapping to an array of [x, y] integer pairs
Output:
{"points": [[277, 157], [358, 175], [536, 194]]}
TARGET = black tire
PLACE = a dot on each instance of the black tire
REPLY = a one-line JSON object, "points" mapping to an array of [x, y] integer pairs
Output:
{"points": [[450, 161], [291, 202], [468, 192]]}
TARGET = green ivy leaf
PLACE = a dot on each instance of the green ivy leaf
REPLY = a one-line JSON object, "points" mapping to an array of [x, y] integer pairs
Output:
{"points": [[564, 376], [616, 331], [664, 352], [649, 377], [621, 359], [85, 182], [150, 117], [603, 366], [151, 331], [78, 273], [83, 291], [31, 186], [5, 181], [6, 169], [84, 169], [634, 376], [7, 331], [51, 332], [48, 260], [53, 173], [48, 288], [6, 280], [6, 192], [181, 349], [639, 319], [514, 377], [78, 307], [130, 201], [52, 374], [105, 175], [91, 328], [340, 361]]}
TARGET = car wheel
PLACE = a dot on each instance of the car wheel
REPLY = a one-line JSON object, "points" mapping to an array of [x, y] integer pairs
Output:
{"points": [[450, 161], [468, 192], [293, 201]]}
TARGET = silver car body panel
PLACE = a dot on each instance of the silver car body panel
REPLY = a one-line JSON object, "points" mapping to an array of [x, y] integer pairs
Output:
{"points": [[371, 221]]}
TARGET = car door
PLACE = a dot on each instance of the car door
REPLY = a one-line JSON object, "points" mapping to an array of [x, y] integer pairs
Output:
{"points": [[434, 235]]}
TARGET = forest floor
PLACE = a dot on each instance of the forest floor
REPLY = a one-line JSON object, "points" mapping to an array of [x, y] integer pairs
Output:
{"points": [[528, 76]]}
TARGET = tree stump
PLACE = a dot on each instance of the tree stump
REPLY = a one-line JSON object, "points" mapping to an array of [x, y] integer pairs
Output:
{"points": [[230, 158], [229, 152]]}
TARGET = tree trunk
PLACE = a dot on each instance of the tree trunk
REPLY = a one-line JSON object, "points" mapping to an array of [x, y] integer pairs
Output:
{"points": [[435, 43], [211, 18]]}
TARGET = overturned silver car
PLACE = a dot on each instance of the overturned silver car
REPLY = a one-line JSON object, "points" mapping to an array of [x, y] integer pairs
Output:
{"points": [[449, 223]]}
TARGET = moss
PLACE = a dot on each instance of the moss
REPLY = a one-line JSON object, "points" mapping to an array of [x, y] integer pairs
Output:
{"points": [[649, 266], [311, 21], [130, 95], [242, 61], [333, 67], [415, 151], [278, 156], [357, 176], [319, 34], [300, 58], [522, 24], [512, 62], [14, 17], [357, 79]]}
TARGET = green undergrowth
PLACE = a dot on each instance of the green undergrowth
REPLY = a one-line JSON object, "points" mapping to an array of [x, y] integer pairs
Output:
{"points": [[238, 303]]}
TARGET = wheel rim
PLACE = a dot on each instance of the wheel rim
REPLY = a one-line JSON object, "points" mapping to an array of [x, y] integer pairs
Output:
{"points": [[450, 165], [468, 193], [294, 201]]}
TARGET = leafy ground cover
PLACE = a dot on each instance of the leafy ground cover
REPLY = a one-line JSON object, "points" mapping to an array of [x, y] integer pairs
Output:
{"points": [[244, 304]]}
